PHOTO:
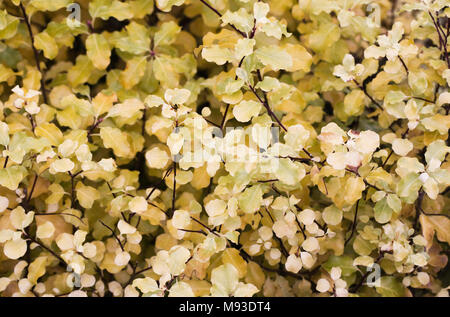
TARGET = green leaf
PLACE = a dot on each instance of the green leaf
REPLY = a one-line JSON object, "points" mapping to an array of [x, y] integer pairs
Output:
{"points": [[43, 41], [382, 211], [390, 287], [50, 5], [166, 34], [98, 50], [274, 57], [345, 262], [11, 177], [117, 140], [81, 71], [104, 9], [250, 200]]}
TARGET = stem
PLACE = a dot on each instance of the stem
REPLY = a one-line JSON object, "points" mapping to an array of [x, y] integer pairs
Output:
{"points": [[32, 188], [220, 16], [35, 52], [222, 124], [113, 233], [404, 64], [46, 248], [353, 224], [159, 183], [271, 113], [174, 192], [363, 88], [94, 126], [363, 278]]}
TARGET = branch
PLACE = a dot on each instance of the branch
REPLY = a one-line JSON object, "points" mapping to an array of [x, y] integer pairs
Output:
{"points": [[353, 224], [36, 54], [45, 248], [364, 89], [113, 233], [266, 105], [220, 16]]}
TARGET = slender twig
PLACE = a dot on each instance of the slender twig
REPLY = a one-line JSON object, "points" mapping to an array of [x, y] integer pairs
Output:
{"points": [[36, 54], [194, 231], [283, 249], [205, 226], [174, 192], [363, 278], [94, 126], [419, 208], [58, 214], [45, 248], [32, 189], [220, 16], [355, 218], [222, 124], [364, 89], [159, 183], [271, 113], [113, 233], [404, 64], [387, 159], [6, 162]]}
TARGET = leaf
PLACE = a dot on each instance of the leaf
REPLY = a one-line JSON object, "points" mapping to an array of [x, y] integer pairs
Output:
{"points": [[435, 224], [332, 215], [98, 51], [43, 41], [166, 34], [117, 140], [37, 269], [250, 200], [274, 57], [104, 9], [51, 132], [4, 133], [165, 72], [246, 109], [408, 187], [133, 72], [138, 40], [141, 8], [345, 262], [81, 71], [102, 103], [301, 58], [86, 195], [232, 256], [382, 211], [50, 5], [225, 278], [390, 287], [12, 176]]}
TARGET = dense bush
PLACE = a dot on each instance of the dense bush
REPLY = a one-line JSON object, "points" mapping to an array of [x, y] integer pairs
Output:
{"points": [[224, 147]]}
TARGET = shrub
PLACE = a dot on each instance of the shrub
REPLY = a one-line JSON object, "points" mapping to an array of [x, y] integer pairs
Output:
{"points": [[224, 148]]}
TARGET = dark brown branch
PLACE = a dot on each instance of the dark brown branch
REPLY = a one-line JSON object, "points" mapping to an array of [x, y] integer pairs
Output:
{"points": [[355, 218], [32, 189], [35, 52], [266, 105], [205, 226], [113, 233], [364, 89], [220, 16], [45, 248], [404, 64], [159, 183], [222, 124]]}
